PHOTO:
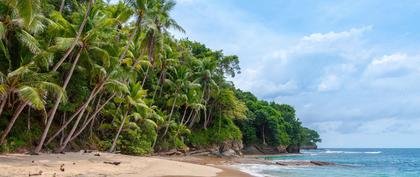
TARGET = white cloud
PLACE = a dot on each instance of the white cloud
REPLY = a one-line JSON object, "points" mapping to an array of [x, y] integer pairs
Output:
{"points": [[329, 83], [340, 82], [332, 36]]}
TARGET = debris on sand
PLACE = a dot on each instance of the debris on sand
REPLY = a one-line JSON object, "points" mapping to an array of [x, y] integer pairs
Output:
{"points": [[36, 174], [113, 163]]}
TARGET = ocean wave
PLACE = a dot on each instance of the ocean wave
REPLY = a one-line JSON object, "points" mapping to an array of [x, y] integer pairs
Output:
{"points": [[351, 152], [257, 170]]}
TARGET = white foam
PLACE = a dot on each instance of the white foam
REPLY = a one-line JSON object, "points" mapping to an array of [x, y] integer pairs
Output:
{"points": [[351, 152]]}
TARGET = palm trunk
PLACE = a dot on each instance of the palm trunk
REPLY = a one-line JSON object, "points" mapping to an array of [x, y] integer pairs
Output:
{"points": [[130, 39], [94, 93], [170, 116], [193, 119], [263, 135], [189, 117], [3, 104], [61, 6], [91, 117], [64, 126], [207, 119], [145, 76], [79, 33], [62, 133], [12, 122], [56, 103], [185, 113], [114, 143]]}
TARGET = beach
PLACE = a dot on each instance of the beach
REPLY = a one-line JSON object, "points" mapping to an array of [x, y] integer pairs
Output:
{"points": [[107, 164]]}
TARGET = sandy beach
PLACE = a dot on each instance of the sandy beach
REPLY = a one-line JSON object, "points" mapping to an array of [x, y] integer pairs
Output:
{"points": [[106, 164]]}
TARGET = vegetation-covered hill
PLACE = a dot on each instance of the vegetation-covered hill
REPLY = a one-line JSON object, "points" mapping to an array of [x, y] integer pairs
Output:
{"points": [[85, 73]]}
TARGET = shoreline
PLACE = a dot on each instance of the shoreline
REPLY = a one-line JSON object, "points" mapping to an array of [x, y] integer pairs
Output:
{"points": [[106, 164]]}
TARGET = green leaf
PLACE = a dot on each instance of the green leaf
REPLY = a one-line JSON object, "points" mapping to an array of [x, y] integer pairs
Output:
{"points": [[32, 96], [29, 41]]}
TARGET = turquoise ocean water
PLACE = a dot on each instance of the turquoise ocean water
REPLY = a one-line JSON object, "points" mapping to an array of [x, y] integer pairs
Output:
{"points": [[351, 162]]}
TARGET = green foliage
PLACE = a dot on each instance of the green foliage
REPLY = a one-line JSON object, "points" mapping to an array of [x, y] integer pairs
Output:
{"points": [[112, 74], [223, 129]]}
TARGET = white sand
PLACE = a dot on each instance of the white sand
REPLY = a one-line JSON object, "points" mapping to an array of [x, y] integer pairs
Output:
{"points": [[86, 164]]}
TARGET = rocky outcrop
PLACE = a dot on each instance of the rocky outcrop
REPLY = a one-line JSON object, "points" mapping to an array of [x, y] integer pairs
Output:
{"points": [[309, 147], [230, 148], [303, 163], [293, 149], [256, 149]]}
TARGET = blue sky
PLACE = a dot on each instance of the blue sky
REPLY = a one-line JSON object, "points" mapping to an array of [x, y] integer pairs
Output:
{"points": [[350, 68]]}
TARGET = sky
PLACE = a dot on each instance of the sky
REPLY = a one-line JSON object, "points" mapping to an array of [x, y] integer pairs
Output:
{"points": [[351, 68]]}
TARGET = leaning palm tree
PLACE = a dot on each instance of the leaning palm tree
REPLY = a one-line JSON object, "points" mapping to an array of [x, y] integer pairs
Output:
{"points": [[31, 89], [132, 101]]}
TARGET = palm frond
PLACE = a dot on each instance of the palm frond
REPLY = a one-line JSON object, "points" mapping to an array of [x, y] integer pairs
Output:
{"points": [[32, 96], [29, 41]]}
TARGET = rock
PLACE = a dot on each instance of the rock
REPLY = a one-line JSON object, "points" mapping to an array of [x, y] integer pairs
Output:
{"points": [[281, 163], [229, 153], [281, 149], [293, 149], [309, 147], [320, 163]]}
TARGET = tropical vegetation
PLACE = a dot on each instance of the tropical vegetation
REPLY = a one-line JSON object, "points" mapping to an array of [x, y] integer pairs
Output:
{"points": [[90, 74]]}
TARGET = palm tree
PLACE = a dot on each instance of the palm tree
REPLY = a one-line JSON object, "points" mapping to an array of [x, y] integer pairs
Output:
{"points": [[84, 42], [206, 79], [31, 89], [134, 100], [78, 34], [19, 22]]}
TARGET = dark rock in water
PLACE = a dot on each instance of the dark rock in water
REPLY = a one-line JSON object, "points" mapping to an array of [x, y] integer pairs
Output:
{"points": [[309, 147], [320, 163], [226, 149], [293, 149], [303, 163], [256, 149]]}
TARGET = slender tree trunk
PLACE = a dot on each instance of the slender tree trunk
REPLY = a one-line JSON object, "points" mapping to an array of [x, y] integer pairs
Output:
{"points": [[145, 76], [91, 118], [207, 119], [65, 124], [183, 116], [170, 116], [114, 143], [61, 6], [12, 122], [189, 117], [193, 119], [62, 132], [57, 102], [78, 34], [3, 104], [130, 39], [67, 140], [263, 135], [29, 120]]}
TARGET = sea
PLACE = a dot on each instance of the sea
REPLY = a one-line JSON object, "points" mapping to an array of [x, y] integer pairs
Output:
{"points": [[360, 162]]}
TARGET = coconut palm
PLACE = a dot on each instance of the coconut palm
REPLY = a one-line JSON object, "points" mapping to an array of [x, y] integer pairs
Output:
{"points": [[32, 90], [132, 101]]}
